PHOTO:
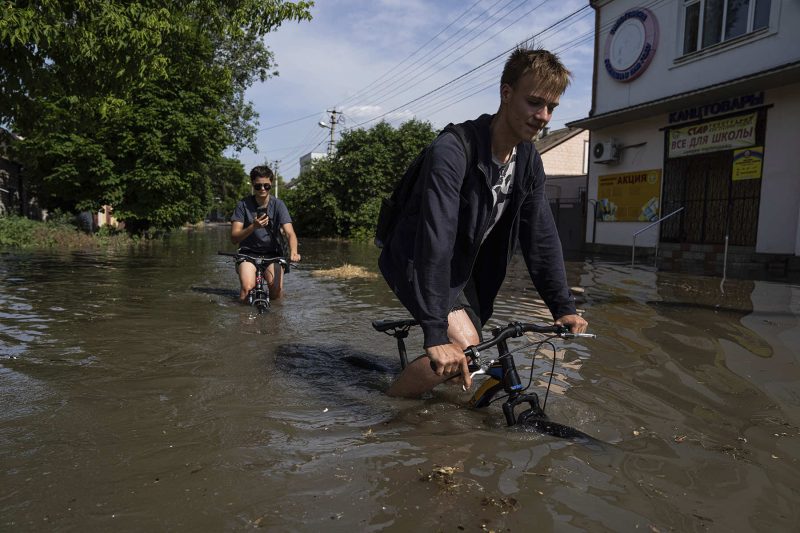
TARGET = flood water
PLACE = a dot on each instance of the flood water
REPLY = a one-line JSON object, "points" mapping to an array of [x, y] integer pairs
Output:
{"points": [[137, 395]]}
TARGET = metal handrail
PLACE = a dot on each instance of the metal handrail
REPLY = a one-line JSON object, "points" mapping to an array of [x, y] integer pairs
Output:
{"points": [[633, 248]]}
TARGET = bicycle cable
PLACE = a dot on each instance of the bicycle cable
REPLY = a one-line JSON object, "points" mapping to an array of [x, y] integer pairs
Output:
{"points": [[552, 371], [538, 345]]}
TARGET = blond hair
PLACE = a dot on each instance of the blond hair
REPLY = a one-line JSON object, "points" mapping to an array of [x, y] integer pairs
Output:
{"points": [[551, 74]]}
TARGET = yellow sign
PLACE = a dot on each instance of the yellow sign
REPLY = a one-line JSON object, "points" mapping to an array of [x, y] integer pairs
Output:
{"points": [[725, 134], [629, 197], [747, 163]]}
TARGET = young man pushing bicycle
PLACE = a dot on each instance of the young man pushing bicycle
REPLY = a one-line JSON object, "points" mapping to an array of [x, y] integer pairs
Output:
{"points": [[449, 251], [255, 224]]}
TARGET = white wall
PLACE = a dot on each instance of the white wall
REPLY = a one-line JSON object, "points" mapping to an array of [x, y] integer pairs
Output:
{"points": [[779, 219], [669, 74], [645, 157]]}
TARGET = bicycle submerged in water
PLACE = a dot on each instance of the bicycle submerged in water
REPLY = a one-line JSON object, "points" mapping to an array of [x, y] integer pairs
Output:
{"points": [[258, 296], [503, 380]]}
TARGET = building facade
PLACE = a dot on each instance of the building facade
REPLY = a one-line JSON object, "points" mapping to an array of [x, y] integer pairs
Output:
{"points": [[565, 158], [308, 159], [694, 112]]}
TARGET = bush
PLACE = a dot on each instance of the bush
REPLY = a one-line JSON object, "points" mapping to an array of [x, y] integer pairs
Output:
{"points": [[20, 232], [16, 231]]}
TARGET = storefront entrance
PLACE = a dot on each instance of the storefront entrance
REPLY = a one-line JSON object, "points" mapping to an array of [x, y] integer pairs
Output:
{"points": [[714, 204]]}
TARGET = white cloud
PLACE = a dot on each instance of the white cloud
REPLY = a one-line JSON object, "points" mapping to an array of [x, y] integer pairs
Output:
{"points": [[353, 55]]}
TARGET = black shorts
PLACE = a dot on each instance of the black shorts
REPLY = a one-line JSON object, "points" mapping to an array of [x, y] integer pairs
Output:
{"points": [[468, 301]]}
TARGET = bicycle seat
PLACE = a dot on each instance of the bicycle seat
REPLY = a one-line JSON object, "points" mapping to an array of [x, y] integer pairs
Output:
{"points": [[387, 324]]}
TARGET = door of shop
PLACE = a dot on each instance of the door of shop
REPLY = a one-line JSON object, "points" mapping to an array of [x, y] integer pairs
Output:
{"points": [[714, 203], [570, 218]]}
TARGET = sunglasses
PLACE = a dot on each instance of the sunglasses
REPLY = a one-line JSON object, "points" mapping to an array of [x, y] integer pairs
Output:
{"points": [[259, 186]]}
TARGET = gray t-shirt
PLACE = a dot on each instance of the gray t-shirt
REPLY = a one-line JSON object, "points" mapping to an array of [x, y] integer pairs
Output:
{"points": [[262, 240]]}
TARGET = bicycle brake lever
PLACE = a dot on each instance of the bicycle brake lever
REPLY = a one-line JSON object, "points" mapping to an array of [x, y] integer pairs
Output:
{"points": [[482, 370]]}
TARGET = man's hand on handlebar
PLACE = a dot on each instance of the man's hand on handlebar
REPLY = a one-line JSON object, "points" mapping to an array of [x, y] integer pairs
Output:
{"points": [[449, 359], [575, 323]]}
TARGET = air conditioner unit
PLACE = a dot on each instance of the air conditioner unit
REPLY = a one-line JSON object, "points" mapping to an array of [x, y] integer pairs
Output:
{"points": [[605, 152]]}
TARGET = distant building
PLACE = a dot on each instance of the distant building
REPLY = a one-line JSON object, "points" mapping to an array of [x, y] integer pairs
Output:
{"points": [[695, 106], [564, 156], [307, 160]]}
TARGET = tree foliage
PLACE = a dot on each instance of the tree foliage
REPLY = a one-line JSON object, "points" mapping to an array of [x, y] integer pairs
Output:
{"points": [[229, 184], [341, 196], [132, 103]]}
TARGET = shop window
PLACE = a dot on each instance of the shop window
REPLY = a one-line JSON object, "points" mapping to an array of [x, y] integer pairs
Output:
{"points": [[709, 22]]}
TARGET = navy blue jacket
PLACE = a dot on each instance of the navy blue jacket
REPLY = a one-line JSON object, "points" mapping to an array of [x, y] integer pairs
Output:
{"points": [[436, 245]]}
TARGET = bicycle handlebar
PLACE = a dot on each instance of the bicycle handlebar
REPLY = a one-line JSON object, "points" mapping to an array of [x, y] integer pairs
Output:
{"points": [[517, 329], [263, 261]]}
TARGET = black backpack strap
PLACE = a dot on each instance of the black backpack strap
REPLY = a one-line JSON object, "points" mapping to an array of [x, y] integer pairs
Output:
{"points": [[466, 134], [392, 205], [274, 227]]}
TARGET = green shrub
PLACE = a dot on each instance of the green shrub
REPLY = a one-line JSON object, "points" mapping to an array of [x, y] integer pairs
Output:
{"points": [[20, 232]]}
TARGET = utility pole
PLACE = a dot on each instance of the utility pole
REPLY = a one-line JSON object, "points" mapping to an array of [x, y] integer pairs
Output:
{"points": [[332, 126], [275, 171]]}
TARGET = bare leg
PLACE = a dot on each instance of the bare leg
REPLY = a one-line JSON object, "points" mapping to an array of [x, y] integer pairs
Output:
{"points": [[275, 282], [247, 278], [418, 377]]}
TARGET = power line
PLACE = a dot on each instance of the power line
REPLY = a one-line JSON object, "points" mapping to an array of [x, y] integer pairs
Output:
{"points": [[467, 92], [563, 47], [358, 93], [289, 122], [408, 83], [502, 54]]}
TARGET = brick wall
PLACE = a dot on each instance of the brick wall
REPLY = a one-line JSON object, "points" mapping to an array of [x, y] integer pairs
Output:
{"points": [[568, 158]]}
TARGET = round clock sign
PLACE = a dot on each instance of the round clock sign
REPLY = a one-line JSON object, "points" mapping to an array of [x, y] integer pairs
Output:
{"points": [[631, 44]]}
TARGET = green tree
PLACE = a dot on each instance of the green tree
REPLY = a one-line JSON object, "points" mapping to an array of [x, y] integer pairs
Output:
{"points": [[229, 184], [341, 197], [133, 103]]}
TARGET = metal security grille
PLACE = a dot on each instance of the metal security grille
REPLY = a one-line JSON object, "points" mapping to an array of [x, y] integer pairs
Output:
{"points": [[712, 201]]}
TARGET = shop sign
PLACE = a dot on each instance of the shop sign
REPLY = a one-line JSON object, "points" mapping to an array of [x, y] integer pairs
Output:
{"points": [[747, 163], [629, 197], [631, 44], [724, 134], [723, 107]]}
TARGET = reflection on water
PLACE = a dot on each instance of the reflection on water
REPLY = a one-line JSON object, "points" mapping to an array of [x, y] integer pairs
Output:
{"points": [[137, 394]]}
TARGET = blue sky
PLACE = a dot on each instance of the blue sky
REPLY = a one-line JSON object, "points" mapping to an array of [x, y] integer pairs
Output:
{"points": [[380, 59]]}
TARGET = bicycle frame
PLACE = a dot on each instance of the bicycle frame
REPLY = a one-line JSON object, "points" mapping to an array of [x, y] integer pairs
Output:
{"points": [[502, 371], [259, 294]]}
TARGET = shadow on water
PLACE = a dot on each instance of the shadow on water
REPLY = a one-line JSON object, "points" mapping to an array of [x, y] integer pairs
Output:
{"points": [[332, 367], [349, 384], [216, 291]]}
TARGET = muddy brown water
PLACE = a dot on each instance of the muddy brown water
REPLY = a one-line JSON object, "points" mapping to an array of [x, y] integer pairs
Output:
{"points": [[137, 395]]}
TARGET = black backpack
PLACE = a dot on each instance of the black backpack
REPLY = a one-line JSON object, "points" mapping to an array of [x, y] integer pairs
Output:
{"points": [[393, 205]]}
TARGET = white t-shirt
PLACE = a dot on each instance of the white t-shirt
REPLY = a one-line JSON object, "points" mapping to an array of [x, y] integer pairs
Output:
{"points": [[503, 179]]}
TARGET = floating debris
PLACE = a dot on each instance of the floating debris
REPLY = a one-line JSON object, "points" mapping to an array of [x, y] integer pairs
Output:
{"points": [[440, 474], [346, 271], [505, 504]]}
